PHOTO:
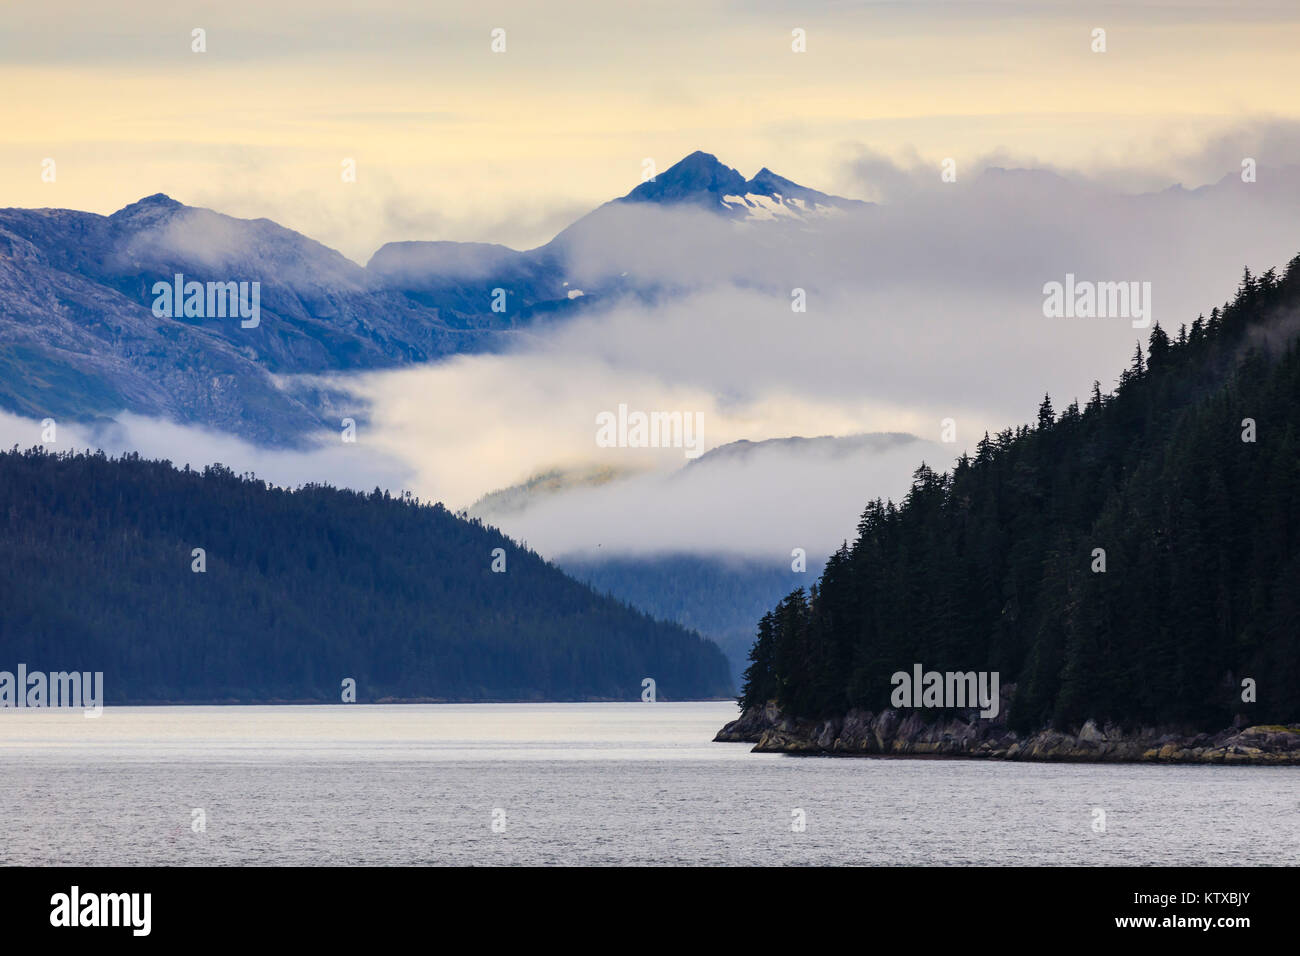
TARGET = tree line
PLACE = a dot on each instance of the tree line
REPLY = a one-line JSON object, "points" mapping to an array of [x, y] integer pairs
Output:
{"points": [[1135, 559], [299, 590]]}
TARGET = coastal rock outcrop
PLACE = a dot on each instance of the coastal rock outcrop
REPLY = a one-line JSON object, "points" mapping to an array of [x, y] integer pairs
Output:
{"points": [[908, 733]]}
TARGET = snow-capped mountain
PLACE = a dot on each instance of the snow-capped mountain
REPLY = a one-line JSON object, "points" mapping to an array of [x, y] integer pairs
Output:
{"points": [[79, 338], [701, 180], [611, 249]]}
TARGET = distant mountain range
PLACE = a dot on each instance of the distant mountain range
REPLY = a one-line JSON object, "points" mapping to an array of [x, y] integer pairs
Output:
{"points": [[79, 338]]}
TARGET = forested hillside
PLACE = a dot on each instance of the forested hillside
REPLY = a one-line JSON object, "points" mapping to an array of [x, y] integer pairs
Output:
{"points": [[302, 589], [1187, 477]]}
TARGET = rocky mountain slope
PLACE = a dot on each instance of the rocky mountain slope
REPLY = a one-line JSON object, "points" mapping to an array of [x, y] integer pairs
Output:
{"points": [[79, 338]]}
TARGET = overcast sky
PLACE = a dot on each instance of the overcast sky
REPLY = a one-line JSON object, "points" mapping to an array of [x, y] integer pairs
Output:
{"points": [[453, 141]]}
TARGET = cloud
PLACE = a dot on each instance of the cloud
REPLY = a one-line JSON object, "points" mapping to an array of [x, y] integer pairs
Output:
{"points": [[221, 244], [919, 310], [339, 464], [925, 308], [761, 505], [1143, 164], [475, 424]]}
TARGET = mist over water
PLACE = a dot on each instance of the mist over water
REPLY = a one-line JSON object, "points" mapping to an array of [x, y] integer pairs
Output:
{"points": [[620, 783]]}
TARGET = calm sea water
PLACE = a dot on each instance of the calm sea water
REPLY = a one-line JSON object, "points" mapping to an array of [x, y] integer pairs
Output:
{"points": [[583, 784]]}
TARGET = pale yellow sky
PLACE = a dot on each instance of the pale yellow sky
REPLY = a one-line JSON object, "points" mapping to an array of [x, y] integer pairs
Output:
{"points": [[453, 141]]}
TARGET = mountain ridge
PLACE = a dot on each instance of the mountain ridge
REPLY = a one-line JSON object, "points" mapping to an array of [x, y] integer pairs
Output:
{"points": [[78, 338]]}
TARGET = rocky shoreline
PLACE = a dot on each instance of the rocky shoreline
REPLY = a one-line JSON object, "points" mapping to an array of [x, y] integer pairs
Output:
{"points": [[906, 733]]}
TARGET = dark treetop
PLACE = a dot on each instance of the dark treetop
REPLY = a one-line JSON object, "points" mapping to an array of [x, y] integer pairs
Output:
{"points": [[301, 590]]}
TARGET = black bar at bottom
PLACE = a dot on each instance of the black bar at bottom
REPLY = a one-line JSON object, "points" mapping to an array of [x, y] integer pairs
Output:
{"points": [[332, 905]]}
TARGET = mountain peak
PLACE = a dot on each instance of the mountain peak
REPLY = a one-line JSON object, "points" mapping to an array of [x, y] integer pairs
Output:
{"points": [[766, 182], [157, 202], [698, 178], [157, 199], [701, 180], [700, 158]]}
